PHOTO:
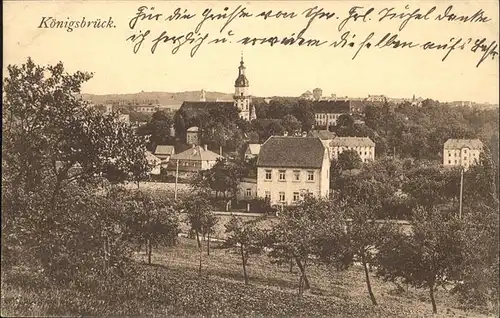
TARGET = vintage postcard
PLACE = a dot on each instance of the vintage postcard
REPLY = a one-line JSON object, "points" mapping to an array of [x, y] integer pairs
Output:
{"points": [[250, 158]]}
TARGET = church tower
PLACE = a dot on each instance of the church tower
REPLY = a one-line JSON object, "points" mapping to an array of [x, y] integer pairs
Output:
{"points": [[242, 99]]}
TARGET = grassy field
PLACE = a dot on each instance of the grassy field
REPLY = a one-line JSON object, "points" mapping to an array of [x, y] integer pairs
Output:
{"points": [[171, 287]]}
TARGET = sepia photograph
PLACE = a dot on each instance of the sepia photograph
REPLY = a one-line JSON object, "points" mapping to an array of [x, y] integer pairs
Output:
{"points": [[250, 158]]}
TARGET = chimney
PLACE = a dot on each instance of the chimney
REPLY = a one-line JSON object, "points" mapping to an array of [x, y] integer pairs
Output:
{"points": [[220, 150], [205, 147]]}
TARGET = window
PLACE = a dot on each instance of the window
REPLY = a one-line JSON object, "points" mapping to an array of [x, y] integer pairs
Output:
{"points": [[282, 175], [310, 175], [282, 196], [449, 161], [365, 153], [267, 195], [449, 154], [268, 174], [296, 196], [465, 150], [248, 193], [455, 162], [296, 175]]}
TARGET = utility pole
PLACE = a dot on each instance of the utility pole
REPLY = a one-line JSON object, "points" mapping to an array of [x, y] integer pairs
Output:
{"points": [[461, 192], [176, 178]]}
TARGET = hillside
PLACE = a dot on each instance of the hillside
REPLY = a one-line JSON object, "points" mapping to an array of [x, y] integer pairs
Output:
{"points": [[170, 286], [173, 100]]}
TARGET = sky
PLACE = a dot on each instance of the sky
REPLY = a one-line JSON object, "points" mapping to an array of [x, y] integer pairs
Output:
{"points": [[272, 71]]}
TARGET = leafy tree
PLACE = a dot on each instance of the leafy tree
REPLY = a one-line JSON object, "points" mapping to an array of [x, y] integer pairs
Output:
{"points": [[50, 130], [349, 160], [158, 129], [199, 217], [304, 113], [291, 124], [429, 257], [54, 142], [301, 233], [155, 221], [479, 182], [479, 269], [246, 238]]}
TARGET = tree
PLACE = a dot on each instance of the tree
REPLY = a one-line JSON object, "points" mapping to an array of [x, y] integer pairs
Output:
{"points": [[349, 160], [431, 256], [154, 220], [304, 113], [53, 142], [246, 238], [158, 129], [50, 131], [480, 267], [199, 217], [300, 233], [291, 124], [364, 237]]}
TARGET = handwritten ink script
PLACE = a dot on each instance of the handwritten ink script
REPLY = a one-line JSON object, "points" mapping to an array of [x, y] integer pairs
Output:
{"points": [[339, 36]]}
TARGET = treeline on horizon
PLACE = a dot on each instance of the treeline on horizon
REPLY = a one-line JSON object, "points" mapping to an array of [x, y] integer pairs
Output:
{"points": [[402, 130]]}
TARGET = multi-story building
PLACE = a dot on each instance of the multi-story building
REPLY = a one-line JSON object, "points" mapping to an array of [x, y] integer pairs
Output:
{"points": [[327, 112], [290, 167], [461, 152], [364, 146]]}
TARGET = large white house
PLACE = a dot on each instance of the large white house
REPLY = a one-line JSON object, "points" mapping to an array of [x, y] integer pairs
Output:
{"points": [[290, 167], [364, 146], [461, 152]]}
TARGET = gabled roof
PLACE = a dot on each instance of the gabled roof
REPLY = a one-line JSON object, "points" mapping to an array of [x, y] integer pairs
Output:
{"points": [[321, 134], [463, 143], [352, 142], [254, 149], [164, 150], [291, 152], [152, 159], [332, 106], [197, 153]]}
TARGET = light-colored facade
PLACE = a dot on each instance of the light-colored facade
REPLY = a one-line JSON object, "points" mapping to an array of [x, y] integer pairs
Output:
{"points": [[364, 146], [247, 189], [252, 151], [326, 119], [327, 112], [306, 170], [462, 152], [154, 162], [164, 152], [192, 161]]}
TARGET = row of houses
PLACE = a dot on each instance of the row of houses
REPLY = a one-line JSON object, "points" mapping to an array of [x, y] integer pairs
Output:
{"points": [[288, 167]]}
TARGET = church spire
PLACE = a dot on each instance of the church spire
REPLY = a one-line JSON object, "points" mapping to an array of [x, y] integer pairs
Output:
{"points": [[242, 67]]}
